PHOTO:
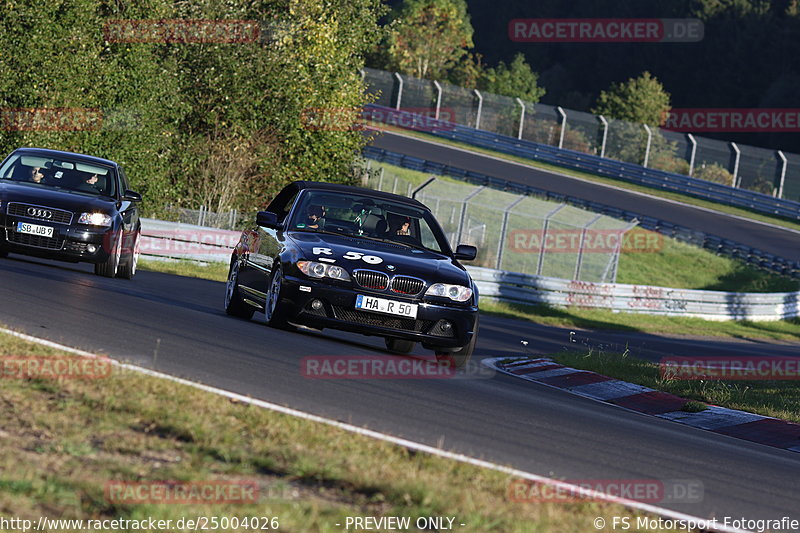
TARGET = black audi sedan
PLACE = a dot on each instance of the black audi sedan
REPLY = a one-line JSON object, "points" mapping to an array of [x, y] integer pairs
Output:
{"points": [[333, 256], [70, 207]]}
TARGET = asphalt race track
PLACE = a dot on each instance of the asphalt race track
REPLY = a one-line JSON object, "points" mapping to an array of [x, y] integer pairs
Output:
{"points": [[177, 325], [777, 241]]}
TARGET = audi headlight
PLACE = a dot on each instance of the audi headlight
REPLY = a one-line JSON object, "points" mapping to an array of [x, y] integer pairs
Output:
{"points": [[95, 219], [457, 293], [321, 270]]}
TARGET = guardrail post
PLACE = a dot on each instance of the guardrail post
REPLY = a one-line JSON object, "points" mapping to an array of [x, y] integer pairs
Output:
{"points": [[399, 91], [563, 127], [521, 117], [543, 244], [694, 152], [605, 135], [783, 173], [580, 248], [736, 180], [480, 108], [464, 205], [649, 140], [438, 98], [504, 229]]}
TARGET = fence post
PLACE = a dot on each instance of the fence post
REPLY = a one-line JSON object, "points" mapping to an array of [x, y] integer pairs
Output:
{"points": [[543, 247], [694, 153], [363, 74], [200, 216], [438, 98], [579, 260], [783, 173], [416, 191], [480, 109], [399, 91], [521, 117], [504, 229], [464, 205], [380, 180], [736, 180], [649, 140], [605, 135], [563, 127]]}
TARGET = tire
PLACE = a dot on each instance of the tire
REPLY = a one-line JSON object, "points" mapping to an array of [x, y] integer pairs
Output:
{"points": [[128, 267], [274, 308], [234, 304], [399, 345], [109, 267], [460, 358]]}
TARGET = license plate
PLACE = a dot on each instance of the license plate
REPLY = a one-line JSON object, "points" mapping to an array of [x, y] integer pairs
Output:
{"points": [[34, 229], [387, 307]]}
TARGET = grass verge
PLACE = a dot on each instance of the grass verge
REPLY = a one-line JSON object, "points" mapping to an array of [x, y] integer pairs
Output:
{"points": [[601, 319], [63, 441], [690, 200], [779, 399]]}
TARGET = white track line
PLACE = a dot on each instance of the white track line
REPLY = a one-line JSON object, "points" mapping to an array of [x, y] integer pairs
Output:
{"points": [[574, 489]]}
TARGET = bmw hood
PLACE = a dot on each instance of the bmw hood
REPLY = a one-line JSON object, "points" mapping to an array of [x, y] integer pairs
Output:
{"points": [[352, 253]]}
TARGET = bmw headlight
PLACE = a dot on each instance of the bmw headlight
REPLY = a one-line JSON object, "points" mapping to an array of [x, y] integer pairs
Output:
{"points": [[457, 293], [313, 269], [95, 219]]}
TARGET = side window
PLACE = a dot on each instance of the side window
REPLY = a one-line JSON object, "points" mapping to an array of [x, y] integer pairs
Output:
{"points": [[282, 204], [123, 181]]}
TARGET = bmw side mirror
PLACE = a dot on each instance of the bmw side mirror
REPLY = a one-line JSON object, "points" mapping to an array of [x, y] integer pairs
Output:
{"points": [[465, 252], [132, 196], [268, 220]]}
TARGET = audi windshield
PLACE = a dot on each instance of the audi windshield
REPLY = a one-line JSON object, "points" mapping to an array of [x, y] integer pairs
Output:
{"points": [[68, 174]]}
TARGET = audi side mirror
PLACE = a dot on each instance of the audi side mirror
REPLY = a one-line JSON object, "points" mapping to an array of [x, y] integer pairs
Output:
{"points": [[465, 252], [267, 219], [132, 196]]}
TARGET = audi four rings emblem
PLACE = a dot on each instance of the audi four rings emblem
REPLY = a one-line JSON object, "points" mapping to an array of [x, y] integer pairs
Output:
{"points": [[39, 213]]}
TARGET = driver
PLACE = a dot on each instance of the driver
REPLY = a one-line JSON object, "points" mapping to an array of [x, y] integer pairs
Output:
{"points": [[314, 216]]}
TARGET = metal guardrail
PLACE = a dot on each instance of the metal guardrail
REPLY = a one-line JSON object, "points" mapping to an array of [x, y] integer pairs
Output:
{"points": [[709, 305], [176, 240], [601, 166], [749, 255], [173, 240]]}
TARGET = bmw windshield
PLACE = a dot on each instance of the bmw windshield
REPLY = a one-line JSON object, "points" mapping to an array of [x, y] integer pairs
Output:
{"points": [[368, 218], [69, 174]]}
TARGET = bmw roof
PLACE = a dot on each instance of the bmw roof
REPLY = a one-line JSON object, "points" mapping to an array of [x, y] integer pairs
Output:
{"points": [[338, 187]]}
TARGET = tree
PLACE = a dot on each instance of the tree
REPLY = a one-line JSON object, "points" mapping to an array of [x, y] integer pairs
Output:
{"points": [[641, 100], [429, 37], [516, 80]]}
